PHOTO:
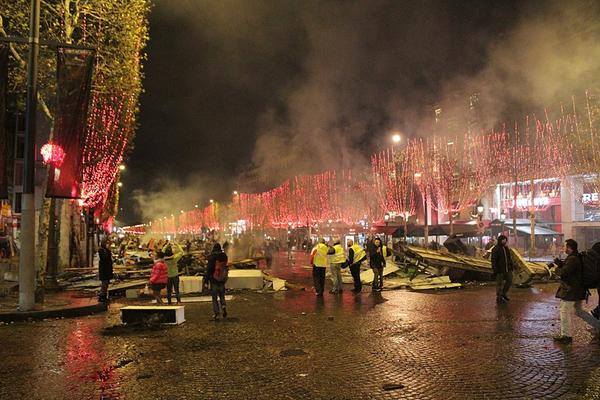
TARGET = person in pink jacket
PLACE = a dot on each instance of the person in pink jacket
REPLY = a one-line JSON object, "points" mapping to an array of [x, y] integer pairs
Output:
{"points": [[158, 278]]}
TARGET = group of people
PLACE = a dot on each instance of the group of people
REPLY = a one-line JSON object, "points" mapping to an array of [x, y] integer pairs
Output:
{"points": [[332, 255], [165, 273], [571, 292]]}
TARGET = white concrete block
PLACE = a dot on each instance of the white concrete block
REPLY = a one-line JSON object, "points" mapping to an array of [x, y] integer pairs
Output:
{"points": [[278, 284], [171, 315], [244, 279], [190, 284]]}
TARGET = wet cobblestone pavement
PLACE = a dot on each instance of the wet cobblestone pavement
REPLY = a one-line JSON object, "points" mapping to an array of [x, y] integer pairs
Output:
{"points": [[290, 345]]}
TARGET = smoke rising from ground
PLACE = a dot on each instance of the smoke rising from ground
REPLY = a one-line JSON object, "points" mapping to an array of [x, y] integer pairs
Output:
{"points": [[248, 93]]}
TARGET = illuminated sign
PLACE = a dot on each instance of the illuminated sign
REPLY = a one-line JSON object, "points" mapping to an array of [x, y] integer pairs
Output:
{"points": [[588, 198], [525, 202]]}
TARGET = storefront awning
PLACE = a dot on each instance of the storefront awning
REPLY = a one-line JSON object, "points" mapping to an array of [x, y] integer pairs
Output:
{"points": [[539, 231]]}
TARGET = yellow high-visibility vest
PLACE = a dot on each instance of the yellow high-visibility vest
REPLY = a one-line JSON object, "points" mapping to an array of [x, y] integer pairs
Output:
{"points": [[339, 257], [359, 252], [320, 259]]}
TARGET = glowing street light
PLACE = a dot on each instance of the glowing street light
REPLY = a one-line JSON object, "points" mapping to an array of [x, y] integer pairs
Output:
{"points": [[122, 167], [120, 184], [396, 138], [196, 205], [235, 192], [211, 201]]}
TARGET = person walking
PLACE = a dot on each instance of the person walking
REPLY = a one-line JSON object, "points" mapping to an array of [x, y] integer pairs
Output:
{"points": [[377, 260], [172, 260], [571, 291], [158, 277], [337, 261], [357, 257], [503, 266], [320, 264], [216, 276], [105, 270]]}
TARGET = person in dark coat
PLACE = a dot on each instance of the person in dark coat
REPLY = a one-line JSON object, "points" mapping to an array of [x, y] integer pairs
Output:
{"points": [[596, 311], [503, 266], [571, 291], [377, 256], [105, 270], [217, 288]]}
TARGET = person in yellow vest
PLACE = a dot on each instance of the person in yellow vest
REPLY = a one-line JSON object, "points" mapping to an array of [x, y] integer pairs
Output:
{"points": [[336, 262], [377, 260], [320, 264], [357, 257]]}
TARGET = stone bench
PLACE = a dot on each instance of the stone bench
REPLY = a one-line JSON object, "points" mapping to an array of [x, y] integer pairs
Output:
{"points": [[172, 315]]}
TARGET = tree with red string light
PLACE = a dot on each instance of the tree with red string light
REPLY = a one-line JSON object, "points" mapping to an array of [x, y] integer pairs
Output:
{"points": [[394, 182], [454, 173]]}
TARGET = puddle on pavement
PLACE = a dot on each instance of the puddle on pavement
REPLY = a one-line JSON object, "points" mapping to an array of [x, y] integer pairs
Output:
{"points": [[86, 360]]}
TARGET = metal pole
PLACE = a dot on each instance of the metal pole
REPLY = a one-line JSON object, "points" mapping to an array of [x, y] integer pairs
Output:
{"points": [[426, 229], [53, 234], [27, 256], [532, 221]]}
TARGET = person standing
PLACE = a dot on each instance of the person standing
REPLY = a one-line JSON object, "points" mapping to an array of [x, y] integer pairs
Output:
{"points": [[377, 257], [571, 291], [217, 263], [105, 270], [596, 311], [172, 259], [158, 277], [337, 261], [356, 259], [502, 265], [320, 264]]}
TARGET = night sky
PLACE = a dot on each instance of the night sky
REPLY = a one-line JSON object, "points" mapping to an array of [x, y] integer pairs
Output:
{"points": [[272, 88]]}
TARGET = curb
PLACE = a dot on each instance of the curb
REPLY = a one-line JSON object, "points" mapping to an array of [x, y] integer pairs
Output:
{"points": [[67, 312]]}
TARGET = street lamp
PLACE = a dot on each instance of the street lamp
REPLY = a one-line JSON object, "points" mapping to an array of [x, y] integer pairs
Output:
{"points": [[480, 209], [235, 192], [211, 201], [396, 138], [122, 167], [502, 219], [120, 184]]}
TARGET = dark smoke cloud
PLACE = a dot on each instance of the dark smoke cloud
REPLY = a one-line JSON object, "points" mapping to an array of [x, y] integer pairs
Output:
{"points": [[265, 89]]}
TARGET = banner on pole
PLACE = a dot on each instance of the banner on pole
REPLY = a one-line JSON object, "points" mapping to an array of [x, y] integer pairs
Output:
{"points": [[4, 140], [63, 154]]}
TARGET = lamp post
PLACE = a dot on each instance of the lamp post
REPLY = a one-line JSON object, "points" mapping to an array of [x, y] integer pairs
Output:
{"points": [[502, 219], [386, 218], [480, 223]]}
